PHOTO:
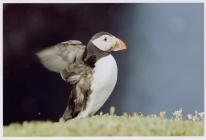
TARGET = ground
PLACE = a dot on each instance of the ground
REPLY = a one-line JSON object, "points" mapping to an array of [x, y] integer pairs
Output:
{"points": [[111, 125]]}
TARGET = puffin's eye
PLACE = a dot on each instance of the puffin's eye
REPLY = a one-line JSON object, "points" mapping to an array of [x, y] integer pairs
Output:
{"points": [[105, 39]]}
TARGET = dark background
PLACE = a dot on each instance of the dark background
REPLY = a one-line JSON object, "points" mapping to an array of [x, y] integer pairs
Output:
{"points": [[162, 70]]}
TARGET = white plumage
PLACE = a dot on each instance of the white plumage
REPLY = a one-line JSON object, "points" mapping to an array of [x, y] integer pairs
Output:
{"points": [[103, 82]]}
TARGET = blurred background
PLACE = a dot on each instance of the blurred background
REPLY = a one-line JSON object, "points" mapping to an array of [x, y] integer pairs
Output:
{"points": [[162, 70]]}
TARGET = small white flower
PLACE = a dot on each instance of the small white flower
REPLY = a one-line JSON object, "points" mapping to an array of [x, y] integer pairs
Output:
{"points": [[178, 114], [189, 116], [196, 112], [201, 114]]}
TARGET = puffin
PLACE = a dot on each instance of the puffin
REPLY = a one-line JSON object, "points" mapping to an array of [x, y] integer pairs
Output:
{"points": [[90, 69]]}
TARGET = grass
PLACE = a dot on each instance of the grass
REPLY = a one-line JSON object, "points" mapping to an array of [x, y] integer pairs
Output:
{"points": [[111, 125]]}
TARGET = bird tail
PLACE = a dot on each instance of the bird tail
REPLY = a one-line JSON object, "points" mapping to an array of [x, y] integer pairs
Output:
{"points": [[67, 114]]}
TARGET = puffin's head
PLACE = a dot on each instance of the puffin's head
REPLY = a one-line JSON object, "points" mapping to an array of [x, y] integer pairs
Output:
{"points": [[107, 42], [100, 45]]}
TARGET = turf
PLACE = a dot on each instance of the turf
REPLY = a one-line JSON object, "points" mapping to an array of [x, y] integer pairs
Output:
{"points": [[110, 125]]}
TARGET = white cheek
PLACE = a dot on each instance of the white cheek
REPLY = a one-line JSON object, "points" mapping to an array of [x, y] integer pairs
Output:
{"points": [[102, 45]]}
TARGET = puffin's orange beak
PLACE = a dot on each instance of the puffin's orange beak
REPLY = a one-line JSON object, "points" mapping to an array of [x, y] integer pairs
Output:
{"points": [[121, 45]]}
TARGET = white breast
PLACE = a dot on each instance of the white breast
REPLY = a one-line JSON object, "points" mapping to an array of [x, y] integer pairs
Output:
{"points": [[102, 85]]}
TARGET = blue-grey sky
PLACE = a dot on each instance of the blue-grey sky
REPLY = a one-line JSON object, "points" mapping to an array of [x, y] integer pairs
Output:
{"points": [[162, 69]]}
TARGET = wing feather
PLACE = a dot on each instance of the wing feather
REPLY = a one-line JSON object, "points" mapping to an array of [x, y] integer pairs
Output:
{"points": [[60, 56]]}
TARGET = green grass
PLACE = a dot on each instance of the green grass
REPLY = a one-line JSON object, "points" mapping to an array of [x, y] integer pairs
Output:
{"points": [[110, 125]]}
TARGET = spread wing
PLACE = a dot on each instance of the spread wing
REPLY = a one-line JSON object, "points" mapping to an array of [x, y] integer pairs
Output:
{"points": [[66, 58], [58, 57]]}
